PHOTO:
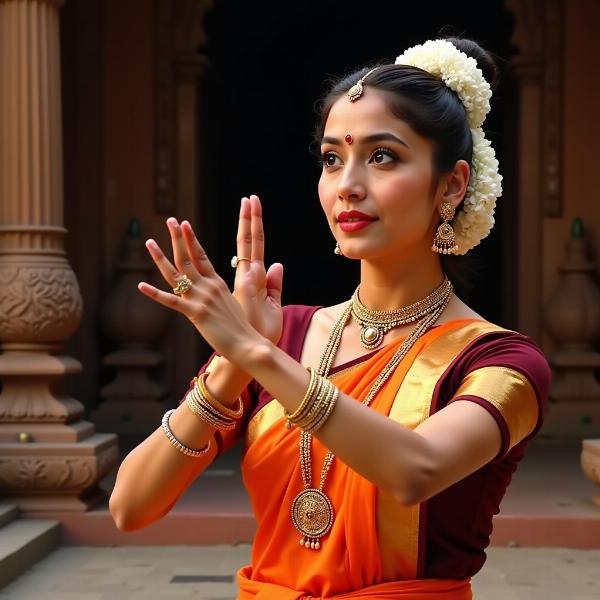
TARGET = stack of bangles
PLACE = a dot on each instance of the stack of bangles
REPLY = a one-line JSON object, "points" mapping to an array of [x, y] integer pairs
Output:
{"points": [[204, 405], [316, 406]]}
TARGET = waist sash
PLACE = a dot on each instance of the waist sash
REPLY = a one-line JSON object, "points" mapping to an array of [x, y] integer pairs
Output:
{"points": [[411, 589]]}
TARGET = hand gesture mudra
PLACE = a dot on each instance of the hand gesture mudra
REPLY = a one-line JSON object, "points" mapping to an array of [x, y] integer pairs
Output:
{"points": [[223, 319], [258, 291]]}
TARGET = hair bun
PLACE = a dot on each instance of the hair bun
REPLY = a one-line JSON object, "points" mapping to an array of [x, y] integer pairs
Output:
{"points": [[485, 60]]}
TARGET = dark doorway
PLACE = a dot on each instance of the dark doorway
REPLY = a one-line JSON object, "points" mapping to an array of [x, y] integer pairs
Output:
{"points": [[269, 63]]}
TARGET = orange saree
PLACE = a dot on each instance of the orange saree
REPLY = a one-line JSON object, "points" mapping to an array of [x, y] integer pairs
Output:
{"points": [[352, 560]]}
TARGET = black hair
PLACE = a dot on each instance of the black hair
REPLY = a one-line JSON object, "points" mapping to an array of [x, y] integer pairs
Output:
{"points": [[431, 109]]}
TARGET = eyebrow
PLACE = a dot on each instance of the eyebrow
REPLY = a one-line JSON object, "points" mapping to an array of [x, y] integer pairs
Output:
{"points": [[374, 137]]}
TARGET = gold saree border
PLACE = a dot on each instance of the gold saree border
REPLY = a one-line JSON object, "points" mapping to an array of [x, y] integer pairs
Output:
{"points": [[397, 525], [510, 392]]}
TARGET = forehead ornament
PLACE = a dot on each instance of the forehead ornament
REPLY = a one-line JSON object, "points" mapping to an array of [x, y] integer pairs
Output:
{"points": [[348, 138], [356, 91]]}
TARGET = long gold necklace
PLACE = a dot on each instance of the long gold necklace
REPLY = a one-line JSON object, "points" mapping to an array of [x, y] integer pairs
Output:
{"points": [[376, 323], [312, 510]]}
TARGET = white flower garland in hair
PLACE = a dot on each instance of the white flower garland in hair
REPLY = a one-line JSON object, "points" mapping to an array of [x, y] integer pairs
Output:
{"points": [[460, 73]]}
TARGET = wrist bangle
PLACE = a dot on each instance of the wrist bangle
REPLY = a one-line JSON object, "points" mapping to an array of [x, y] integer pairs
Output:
{"points": [[299, 413], [175, 442], [232, 413], [202, 409]]}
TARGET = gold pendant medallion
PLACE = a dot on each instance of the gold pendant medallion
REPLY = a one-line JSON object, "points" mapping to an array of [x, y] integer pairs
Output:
{"points": [[312, 514]]}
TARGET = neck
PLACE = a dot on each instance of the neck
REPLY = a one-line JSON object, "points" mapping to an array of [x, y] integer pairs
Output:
{"points": [[385, 286]]}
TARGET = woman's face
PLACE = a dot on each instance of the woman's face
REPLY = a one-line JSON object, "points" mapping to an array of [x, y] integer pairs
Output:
{"points": [[385, 174]]}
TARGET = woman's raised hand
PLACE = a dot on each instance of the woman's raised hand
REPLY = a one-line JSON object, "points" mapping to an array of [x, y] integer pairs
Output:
{"points": [[208, 303], [258, 291]]}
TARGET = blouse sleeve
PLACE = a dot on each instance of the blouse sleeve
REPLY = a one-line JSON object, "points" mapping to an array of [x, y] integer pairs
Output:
{"points": [[225, 439], [510, 377]]}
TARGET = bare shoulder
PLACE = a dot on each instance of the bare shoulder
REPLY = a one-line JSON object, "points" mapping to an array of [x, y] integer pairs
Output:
{"points": [[328, 316], [318, 332], [457, 309]]}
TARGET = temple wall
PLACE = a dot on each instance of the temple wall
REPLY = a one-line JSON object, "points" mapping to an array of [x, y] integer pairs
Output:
{"points": [[581, 145]]}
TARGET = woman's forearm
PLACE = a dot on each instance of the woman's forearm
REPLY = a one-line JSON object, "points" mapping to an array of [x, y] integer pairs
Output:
{"points": [[383, 451], [154, 474]]}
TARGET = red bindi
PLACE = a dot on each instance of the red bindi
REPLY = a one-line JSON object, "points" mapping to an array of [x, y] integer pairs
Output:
{"points": [[348, 138]]}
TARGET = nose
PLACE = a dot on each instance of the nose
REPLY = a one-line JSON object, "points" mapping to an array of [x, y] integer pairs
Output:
{"points": [[351, 185]]}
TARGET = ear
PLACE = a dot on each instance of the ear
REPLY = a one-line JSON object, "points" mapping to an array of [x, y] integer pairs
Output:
{"points": [[455, 183]]}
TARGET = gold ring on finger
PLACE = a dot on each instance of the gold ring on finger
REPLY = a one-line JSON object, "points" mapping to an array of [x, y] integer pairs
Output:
{"points": [[183, 286], [236, 260]]}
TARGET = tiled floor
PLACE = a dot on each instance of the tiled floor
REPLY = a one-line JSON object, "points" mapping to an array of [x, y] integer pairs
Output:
{"points": [[208, 572]]}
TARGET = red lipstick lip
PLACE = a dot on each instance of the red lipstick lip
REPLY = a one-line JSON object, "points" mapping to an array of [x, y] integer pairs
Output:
{"points": [[354, 214], [350, 226]]}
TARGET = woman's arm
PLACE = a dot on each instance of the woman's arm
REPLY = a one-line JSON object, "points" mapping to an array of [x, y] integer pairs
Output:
{"points": [[153, 475], [413, 465]]}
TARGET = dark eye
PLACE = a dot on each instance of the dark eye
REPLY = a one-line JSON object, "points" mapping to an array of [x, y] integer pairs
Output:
{"points": [[329, 159], [383, 156]]}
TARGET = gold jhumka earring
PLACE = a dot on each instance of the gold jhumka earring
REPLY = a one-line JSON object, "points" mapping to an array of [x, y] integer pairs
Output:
{"points": [[444, 241]]}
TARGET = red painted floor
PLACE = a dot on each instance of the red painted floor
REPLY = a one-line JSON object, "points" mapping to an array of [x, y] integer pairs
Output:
{"points": [[547, 505]]}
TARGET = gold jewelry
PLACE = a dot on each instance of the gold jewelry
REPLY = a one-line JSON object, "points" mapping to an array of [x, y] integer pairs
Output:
{"points": [[356, 91], [444, 241], [204, 411], [175, 442], [183, 286], [298, 414], [337, 250], [236, 260], [376, 323], [318, 403], [312, 511], [232, 413], [200, 405]]}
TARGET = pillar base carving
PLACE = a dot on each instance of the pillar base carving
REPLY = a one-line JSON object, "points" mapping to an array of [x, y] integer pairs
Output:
{"points": [[42, 476]]}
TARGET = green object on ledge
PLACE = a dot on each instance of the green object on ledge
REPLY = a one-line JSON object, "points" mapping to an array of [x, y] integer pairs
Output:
{"points": [[577, 229], [134, 229]]}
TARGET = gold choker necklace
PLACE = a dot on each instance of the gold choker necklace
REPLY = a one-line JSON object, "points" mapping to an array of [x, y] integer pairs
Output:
{"points": [[376, 323]]}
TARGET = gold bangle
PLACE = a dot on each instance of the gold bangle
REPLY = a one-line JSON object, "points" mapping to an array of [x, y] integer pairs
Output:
{"points": [[308, 397], [209, 415], [321, 406], [314, 407], [221, 421], [232, 413], [330, 406]]}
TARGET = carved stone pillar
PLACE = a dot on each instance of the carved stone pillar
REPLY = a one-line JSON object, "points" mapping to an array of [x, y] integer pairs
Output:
{"points": [[50, 459], [537, 68], [528, 69], [572, 318], [181, 63]]}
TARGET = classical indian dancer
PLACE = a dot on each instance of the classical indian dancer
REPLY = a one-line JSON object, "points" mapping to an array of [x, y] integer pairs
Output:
{"points": [[379, 434]]}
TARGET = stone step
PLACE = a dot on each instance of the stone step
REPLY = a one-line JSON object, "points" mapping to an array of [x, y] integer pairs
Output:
{"points": [[23, 542], [8, 513]]}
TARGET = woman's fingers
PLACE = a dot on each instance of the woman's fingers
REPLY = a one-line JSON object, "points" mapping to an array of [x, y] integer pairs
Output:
{"points": [[244, 236], [166, 268], [257, 231], [181, 255], [195, 251], [275, 282], [167, 299]]}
